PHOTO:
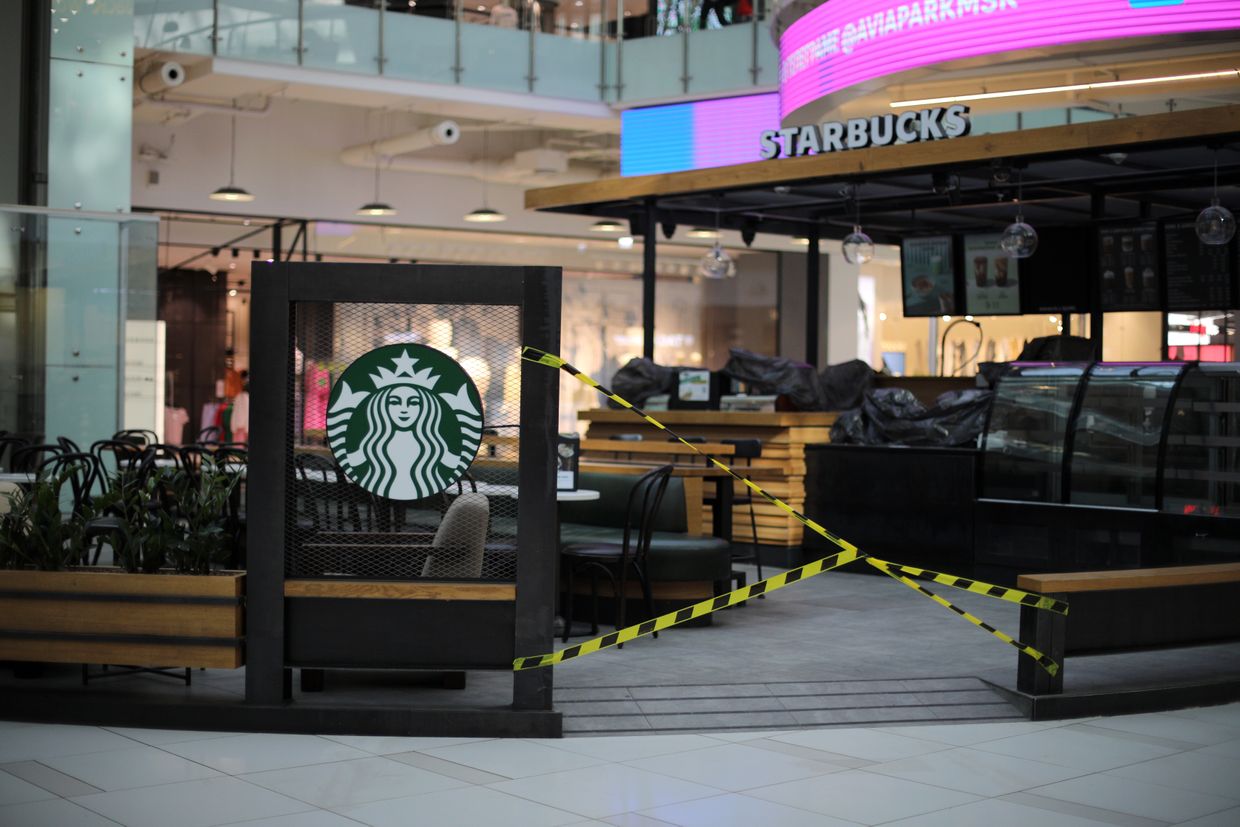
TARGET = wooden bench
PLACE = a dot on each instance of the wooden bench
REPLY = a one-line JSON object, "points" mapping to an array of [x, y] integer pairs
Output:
{"points": [[1125, 609]]}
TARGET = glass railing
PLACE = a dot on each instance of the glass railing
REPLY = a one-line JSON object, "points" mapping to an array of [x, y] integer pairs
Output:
{"points": [[79, 341], [590, 50]]}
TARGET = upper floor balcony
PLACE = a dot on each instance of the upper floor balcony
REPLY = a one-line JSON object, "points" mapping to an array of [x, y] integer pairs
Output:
{"points": [[620, 52]]}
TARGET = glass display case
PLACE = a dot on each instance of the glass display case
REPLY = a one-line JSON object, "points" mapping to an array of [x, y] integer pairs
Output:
{"points": [[1150, 436], [1201, 474], [1116, 435], [1023, 447]]}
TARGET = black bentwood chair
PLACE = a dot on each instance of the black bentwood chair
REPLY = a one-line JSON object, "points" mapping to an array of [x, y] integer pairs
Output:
{"points": [[615, 561]]}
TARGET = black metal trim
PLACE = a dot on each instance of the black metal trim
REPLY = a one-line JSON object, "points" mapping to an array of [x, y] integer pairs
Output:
{"points": [[99, 597], [1168, 416], [23, 634], [393, 283], [1069, 439]]}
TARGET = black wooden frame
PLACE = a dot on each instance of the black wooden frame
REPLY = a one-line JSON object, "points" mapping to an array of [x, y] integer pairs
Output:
{"points": [[277, 288]]}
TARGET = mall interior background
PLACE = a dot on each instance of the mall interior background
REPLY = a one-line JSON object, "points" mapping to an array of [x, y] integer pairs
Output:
{"points": [[133, 277]]}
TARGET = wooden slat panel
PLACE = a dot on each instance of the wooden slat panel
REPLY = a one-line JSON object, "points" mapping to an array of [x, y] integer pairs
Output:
{"points": [[730, 419], [99, 617], [132, 654], [1092, 581], [399, 590], [656, 447], [115, 582]]}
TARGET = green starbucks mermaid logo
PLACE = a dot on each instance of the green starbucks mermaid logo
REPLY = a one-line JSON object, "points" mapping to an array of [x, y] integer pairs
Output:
{"points": [[404, 421]]}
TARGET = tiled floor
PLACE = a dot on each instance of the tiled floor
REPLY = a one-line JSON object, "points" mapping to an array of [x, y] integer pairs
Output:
{"points": [[1156, 769]]}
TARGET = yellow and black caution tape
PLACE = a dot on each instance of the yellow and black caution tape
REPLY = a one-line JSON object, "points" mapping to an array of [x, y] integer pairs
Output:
{"points": [[848, 553], [670, 619]]}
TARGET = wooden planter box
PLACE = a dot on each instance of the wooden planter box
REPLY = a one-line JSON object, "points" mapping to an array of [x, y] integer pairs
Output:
{"points": [[109, 616]]}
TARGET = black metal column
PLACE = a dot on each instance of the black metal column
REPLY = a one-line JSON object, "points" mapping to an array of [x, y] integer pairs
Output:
{"points": [[812, 262], [537, 524], [1097, 211], [269, 438], [650, 230]]}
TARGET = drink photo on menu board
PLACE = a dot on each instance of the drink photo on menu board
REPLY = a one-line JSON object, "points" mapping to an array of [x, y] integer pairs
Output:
{"points": [[929, 277], [1128, 266], [992, 279]]}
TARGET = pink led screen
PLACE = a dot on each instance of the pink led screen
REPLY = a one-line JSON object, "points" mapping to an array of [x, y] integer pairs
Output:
{"points": [[846, 42]]}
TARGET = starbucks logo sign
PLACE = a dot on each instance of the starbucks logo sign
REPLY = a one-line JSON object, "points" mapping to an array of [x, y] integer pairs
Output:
{"points": [[404, 421]]}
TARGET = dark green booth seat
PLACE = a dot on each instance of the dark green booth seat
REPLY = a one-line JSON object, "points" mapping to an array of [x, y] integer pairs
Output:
{"points": [[675, 555]]}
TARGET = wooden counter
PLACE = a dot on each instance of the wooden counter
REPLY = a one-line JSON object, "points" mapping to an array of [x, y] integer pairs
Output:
{"points": [[784, 436]]}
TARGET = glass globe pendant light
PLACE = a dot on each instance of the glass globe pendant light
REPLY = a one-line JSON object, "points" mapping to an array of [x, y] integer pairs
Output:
{"points": [[1215, 224], [1019, 239], [857, 246], [716, 263]]}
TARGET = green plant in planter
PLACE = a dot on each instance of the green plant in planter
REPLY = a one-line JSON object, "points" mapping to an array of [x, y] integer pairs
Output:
{"points": [[202, 518], [34, 534], [148, 529]]}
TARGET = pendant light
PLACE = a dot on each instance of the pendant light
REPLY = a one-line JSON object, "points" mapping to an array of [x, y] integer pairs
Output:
{"points": [[607, 225], [232, 192], [858, 247], [1215, 224], [1019, 240], [484, 214], [377, 206], [716, 263]]}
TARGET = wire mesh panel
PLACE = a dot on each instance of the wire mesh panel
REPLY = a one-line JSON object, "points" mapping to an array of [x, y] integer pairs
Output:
{"points": [[403, 443]]}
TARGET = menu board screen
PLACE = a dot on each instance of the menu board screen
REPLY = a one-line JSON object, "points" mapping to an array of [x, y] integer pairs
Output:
{"points": [[1056, 278], [1199, 276], [992, 279], [929, 277], [1128, 267]]}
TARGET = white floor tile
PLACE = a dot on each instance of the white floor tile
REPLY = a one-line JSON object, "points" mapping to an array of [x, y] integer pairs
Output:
{"points": [[123, 769], [514, 758], [633, 747], [866, 798], [746, 735], [313, 818], [159, 737], [34, 743], [1140, 798], [203, 803], [1226, 818], [53, 813], [974, 771], [1228, 749], [1226, 715], [256, 752], [966, 735], [1187, 730], [1210, 774], [870, 744], [352, 782], [388, 745], [14, 790], [733, 767], [1073, 747], [598, 792], [740, 811], [466, 808], [994, 813]]}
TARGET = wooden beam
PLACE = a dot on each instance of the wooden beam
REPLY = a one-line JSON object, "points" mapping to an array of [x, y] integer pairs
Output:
{"points": [[399, 590], [1095, 136], [1095, 581]]}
